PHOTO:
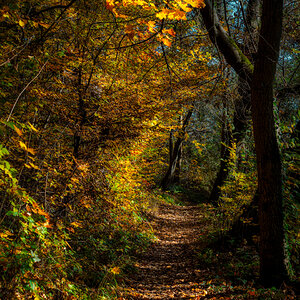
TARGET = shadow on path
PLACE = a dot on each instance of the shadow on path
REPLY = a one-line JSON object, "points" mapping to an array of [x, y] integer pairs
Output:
{"points": [[168, 269]]}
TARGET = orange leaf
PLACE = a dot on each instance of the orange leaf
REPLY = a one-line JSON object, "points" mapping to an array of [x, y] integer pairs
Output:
{"points": [[109, 4], [45, 25], [196, 3], [30, 150], [170, 31], [18, 131], [167, 42], [151, 26]]}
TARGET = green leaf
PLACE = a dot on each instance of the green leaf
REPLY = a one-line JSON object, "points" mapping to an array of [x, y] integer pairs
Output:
{"points": [[32, 285]]}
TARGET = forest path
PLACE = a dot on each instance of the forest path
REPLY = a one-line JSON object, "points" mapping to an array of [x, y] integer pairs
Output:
{"points": [[168, 269]]}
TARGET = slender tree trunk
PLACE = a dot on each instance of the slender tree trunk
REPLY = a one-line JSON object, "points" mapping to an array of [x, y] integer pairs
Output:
{"points": [[272, 267], [178, 165], [226, 142], [170, 174], [171, 145], [242, 64], [179, 157], [176, 156], [81, 115]]}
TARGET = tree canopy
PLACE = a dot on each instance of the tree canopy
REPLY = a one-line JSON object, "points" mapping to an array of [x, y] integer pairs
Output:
{"points": [[111, 109]]}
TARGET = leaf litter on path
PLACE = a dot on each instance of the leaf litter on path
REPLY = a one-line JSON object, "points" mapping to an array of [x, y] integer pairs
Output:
{"points": [[168, 269]]}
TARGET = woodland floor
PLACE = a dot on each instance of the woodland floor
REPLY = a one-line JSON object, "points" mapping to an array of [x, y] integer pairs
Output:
{"points": [[175, 267], [168, 269]]}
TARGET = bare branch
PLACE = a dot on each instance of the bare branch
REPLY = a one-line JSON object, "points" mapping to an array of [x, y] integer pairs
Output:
{"points": [[25, 88]]}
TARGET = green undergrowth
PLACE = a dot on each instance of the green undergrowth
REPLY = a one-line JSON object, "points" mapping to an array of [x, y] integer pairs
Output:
{"points": [[234, 269], [232, 264], [181, 194], [78, 244]]}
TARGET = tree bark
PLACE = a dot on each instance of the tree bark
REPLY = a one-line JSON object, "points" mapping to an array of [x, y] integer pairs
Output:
{"points": [[272, 266], [178, 165], [242, 64], [228, 47], [175, 157], [81, 115], [226, 142]]}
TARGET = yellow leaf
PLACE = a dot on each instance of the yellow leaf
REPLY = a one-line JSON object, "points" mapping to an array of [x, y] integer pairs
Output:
{"points": [[119, 15], [18, 131], [109, 4], [5, 234], [140, 2], [74, 179], [162, 14], [184, 6], [23, 145], [22, 23], [76, 224], [196, 3], [176, 14], [30, 150], [151, 26], [32, 127], [87, 205], [34, 166], [115, 270]]}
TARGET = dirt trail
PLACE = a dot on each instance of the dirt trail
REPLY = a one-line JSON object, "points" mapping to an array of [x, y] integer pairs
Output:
{"points": [[168, 269]]}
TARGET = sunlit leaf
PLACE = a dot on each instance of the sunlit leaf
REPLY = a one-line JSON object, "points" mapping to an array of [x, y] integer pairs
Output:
{"points": [[18, 131], [115, 270], [167, 42], [22, 23]]}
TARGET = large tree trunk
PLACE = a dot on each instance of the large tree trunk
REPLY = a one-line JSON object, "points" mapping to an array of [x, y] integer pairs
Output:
{"points": [[272, 267], [228, 47]]}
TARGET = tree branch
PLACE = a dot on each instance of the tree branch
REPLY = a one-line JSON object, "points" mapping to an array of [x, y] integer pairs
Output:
{"points": [[229, 48], [25, 88]]}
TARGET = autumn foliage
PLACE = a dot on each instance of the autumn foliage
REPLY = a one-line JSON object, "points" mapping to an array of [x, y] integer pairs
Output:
{"points": [[90, 91]]}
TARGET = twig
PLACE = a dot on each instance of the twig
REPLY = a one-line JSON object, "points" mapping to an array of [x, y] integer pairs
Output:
{"points": [[25, 88]]}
